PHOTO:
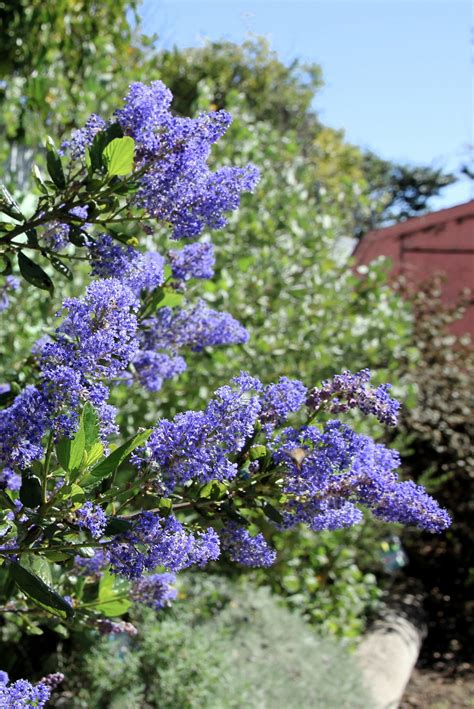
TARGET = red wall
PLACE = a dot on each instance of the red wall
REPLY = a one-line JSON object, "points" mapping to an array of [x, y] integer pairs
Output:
{"points": [[442, 242]]}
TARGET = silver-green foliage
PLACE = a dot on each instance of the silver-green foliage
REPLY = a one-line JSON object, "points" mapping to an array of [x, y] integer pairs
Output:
{"points": [[251, 652]]}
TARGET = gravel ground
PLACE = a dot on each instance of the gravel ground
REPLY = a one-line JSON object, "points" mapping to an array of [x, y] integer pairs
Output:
{"points": [[429, 689]]}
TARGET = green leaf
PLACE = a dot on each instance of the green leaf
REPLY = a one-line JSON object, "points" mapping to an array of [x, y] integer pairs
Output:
{"points": [[106, 586], [117, 525], [107, 466], [30, 491], [39, 592], [111, 595], [5, 265], [94, 157], [71, 450], [113, 607], [32, 628], [60, 266], [39, 179], [257, 452], [54, 165], [57, 555], [165, 505], [272, 513], [213, 490], [39, 566], [9, 206], [171, 300], [119, 155], [93, 455], [34, 274], [90, 422], [77, 236], [77, 494]]}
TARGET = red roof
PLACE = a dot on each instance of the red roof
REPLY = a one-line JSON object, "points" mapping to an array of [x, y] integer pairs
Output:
{"points": [[440, 242]]}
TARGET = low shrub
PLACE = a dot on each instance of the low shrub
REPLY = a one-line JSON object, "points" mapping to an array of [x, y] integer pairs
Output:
{"points": [[226, 646]]}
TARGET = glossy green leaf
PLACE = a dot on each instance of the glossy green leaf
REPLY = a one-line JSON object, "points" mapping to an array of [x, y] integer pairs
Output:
{"points": [[113, 595], [71, 450], [54, 165], [94, 154], [39, 179], [77, 236], [257, 452], [77, 494], [272, 513], [9, 206], [34, 274], [107, 466], [30, 491], [93, 455], [90, 422], [39, 592], [165, 505], [117, 525], [60, 267], [39, 566], [119, 155], [5, 265], [171, 300], [213, 490]]}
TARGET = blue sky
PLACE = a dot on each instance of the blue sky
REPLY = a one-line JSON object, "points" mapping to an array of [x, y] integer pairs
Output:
{"points": [[398, 73]]}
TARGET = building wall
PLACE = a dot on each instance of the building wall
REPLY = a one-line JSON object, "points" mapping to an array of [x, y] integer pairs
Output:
{"points": [[442, 242]]}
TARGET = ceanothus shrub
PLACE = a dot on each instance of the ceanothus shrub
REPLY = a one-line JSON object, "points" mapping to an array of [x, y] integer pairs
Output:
{"points": [[89, 526]]}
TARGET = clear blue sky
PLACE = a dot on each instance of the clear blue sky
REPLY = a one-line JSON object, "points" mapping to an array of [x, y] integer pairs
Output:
{"points": [[398, 74]]}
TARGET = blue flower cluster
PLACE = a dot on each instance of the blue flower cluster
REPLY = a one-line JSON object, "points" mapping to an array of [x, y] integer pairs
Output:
{"points": [[22, 694], [198, 445], [93, 565], [97, 340], [83, 137], [329, 472], [98, 335], [141, 272], [245, 549], [160, 541], [22, 426], [156, 590], [57, 234], [178, 187], [175, 185], [110, 259], [93, 518], [280, 400], [172, 329], [10, 283], [9, 479], [348, 391], [192, 261], [171, 154], [153, 368], [193, 328]]}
